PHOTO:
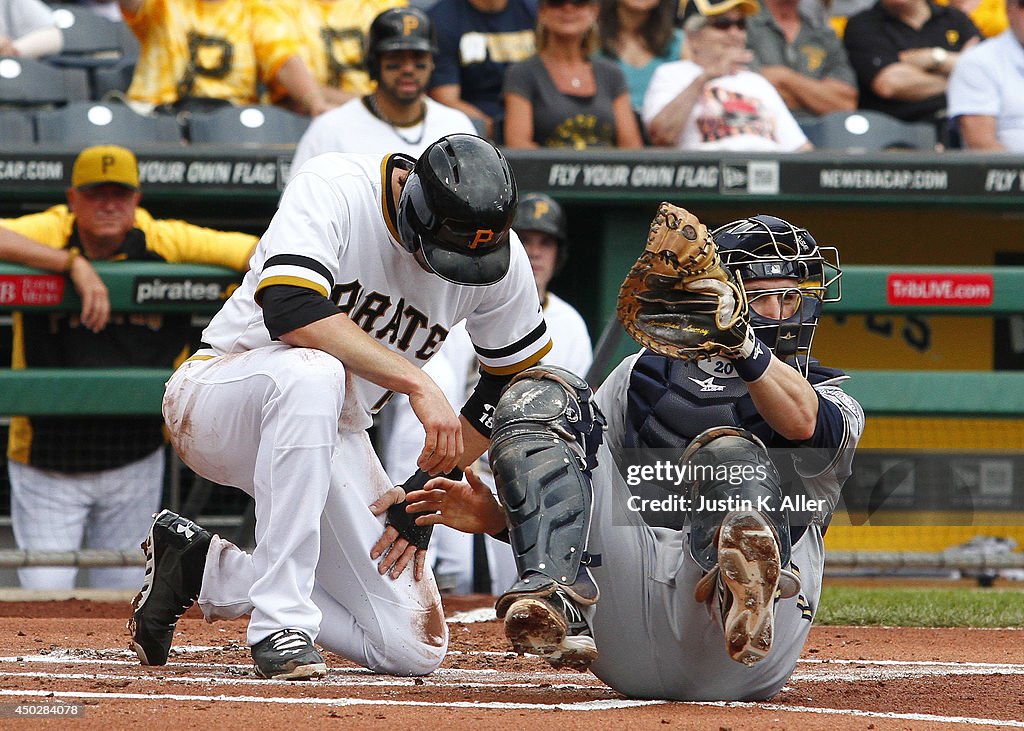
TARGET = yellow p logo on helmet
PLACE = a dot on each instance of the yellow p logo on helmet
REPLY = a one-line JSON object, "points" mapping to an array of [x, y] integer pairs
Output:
{"points": [[409, 24], [483, 236]]}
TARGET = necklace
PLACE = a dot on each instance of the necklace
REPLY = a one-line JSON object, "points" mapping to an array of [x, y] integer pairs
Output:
{"points": [[420, 120]]}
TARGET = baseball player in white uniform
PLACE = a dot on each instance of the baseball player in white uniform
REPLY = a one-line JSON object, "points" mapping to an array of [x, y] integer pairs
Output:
{"points": [[367, 264], [541, 226], [718, 609], [398, 116]]}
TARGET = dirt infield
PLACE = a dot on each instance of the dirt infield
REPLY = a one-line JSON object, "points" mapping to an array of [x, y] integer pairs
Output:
{"points": [[75, 652]]}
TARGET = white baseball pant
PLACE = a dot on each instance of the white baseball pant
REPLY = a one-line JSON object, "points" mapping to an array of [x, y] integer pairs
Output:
{"points": [[274, 423], [60, 511]]}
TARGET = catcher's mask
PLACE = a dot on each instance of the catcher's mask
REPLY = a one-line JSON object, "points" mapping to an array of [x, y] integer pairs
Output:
{"points": [[456, 209], [766, 247], [540, 212]]}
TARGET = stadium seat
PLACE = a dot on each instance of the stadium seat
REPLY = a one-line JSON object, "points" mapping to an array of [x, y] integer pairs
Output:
{"points": [[248, 125], [113, 79], [90, 123], [27, 82], [89, 40], [18, 127], [865, 130]]}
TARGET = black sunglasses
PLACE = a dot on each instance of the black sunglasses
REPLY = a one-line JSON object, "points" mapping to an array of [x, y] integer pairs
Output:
{"points": [[562, 3], [726, 23]]}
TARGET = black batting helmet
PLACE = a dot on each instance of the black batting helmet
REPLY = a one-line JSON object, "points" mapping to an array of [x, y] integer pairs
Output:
{"points": [[456, 209], [398, 29], [766, 247], [540, 212]]}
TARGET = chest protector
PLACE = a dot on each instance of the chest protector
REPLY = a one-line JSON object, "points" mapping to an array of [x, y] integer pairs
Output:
{"points": [[672, 401]]}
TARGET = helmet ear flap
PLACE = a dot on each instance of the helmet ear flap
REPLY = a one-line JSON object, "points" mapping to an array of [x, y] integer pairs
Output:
{"points": [[411, 204]]}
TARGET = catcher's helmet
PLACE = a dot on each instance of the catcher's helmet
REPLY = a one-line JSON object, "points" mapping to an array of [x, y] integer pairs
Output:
{"points": [[540, 212], [398, 29], [766, 247], [456, 209]]}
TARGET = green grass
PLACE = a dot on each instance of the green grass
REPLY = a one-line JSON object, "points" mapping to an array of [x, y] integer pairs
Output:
{"points": [[959, 607]]}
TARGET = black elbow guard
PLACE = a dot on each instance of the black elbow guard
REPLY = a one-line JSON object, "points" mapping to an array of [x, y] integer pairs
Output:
{"points": [[287, 308]]}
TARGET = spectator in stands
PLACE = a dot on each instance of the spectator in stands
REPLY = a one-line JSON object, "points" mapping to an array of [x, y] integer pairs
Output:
{"points": [[202, 53], [331, 33], [713, 101], [477, 40], [563, 96], [92, 481], [639, 35], [398, 116], [989, 16], [805, 62], [986, 89], [540, 224], [903, 52], [27, 29]]}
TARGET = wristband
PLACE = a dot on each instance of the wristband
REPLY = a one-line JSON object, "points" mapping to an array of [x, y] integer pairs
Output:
{"points": [[73, 253], [420, 478], [752, 361]]}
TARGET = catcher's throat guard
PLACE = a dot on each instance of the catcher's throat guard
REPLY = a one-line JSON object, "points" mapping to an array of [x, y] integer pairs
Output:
{"points": [[543, 449], [678, 299]]}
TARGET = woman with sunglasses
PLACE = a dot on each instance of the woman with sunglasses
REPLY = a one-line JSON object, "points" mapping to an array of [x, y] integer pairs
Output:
{"points": [[713, 101], [561, 96]]}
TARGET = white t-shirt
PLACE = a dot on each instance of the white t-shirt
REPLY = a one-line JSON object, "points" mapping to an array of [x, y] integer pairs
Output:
{"points": [[335, 233], [988, 80], [18, 17], [741, 112], [352, 128]]}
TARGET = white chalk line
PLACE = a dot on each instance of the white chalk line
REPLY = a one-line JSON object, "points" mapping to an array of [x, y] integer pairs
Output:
{"points": [[451, 677], [597, 705], [1002, 723], [498, 683], [441, 675]]}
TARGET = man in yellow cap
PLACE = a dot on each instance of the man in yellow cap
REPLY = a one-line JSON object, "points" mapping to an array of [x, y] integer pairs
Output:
{"points": [[90, 481]]}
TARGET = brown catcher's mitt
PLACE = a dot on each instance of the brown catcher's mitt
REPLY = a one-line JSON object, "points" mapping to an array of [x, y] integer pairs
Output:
{"points": [[678, 299]]}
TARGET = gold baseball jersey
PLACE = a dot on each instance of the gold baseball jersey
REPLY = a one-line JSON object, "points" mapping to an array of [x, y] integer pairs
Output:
{"points": [[219, 49], [333, 36]]}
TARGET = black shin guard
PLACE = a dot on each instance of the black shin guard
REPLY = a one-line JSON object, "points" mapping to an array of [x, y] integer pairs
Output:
{"points": [[543, 448], [732, 472]]}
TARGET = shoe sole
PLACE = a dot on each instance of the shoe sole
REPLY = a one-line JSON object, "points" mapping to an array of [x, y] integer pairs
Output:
{"points": [[533, 627], [302, 672], [142, 596], [748, 557]]}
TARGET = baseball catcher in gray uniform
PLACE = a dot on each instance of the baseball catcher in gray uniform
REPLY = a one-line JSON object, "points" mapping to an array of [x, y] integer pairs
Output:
{"points": [[717, 605]]}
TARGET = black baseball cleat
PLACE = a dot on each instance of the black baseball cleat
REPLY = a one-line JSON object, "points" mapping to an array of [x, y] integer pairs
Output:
{"points": [[288, 654], [175, 558], [749, 580], [552, 627]]}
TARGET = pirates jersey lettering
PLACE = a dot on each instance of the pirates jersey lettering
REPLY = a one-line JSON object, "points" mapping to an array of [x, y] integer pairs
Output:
{"points": [[395, 325]]}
